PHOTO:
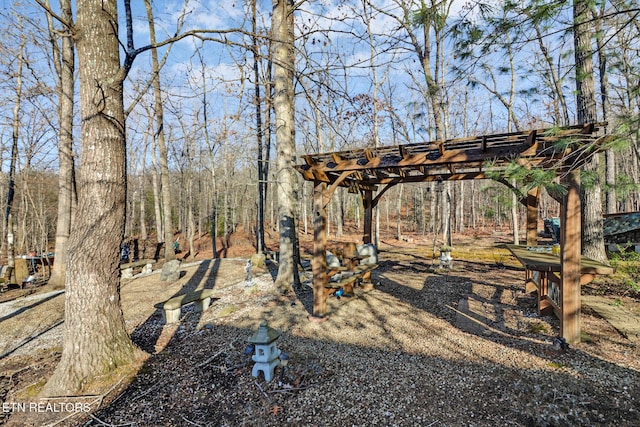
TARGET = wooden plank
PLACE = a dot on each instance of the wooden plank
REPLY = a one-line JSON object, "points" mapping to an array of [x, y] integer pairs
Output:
{"points": [[368, 154], [505, 141], [531, 138], [403, 151], [544, 261], [328, 194], [341, 283]]}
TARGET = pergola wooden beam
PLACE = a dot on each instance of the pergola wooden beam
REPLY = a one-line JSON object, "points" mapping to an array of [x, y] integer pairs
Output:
{"points": [[544, 137], [446, 158]]}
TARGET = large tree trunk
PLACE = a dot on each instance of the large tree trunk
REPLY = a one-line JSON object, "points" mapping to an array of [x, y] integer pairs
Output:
{"points": [[64, 65], [95, 338], [592, 232], [283, 63]]}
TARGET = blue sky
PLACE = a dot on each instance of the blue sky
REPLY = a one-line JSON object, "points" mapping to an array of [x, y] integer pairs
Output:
{"points": [[335, 46]]}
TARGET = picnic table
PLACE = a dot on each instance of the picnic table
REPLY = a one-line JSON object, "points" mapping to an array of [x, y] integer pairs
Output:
{"points": [[344, 271], [42, 262], [542, 274]]}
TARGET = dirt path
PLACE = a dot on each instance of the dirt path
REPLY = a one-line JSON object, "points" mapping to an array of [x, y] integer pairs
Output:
{"points": [[19, 325], [34, 322]]}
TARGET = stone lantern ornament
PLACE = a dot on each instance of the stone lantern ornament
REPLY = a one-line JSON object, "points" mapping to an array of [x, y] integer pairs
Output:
{"points": [[446, 260], [266, 353]]}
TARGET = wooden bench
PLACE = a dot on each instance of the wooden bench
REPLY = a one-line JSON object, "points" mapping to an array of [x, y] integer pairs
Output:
{"points": [[350, 278], [127, 268], [171, 307], [542, 275]]}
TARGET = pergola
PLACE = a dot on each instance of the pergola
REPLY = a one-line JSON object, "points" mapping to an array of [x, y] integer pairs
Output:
{"points": [[374, 170]]}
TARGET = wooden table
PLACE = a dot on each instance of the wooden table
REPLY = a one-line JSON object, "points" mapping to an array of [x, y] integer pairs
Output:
{"points": [[542, 274], [45, 262]]}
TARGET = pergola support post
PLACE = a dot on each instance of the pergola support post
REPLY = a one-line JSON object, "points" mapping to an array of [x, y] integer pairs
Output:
{"points": [[533, 200], [570, 254], [367, 201], [319, 262]]}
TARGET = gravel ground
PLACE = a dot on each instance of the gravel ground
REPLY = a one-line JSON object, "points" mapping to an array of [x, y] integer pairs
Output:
{"points": [[402, 354]]}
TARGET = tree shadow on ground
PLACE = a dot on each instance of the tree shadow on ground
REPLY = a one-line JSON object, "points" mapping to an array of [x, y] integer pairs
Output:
{"points": [[482, 299], [147, 334], [443, 291], [206, 380], [36, 303]]}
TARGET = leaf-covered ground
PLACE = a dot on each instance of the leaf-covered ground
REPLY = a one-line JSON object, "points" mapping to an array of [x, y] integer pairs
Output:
{"points": [[425, 347]]}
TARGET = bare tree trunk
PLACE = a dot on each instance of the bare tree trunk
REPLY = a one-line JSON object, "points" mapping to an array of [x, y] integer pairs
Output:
{"points": [[157, 209], [9, 221], [446, 214], [461, 206], [267, 126], [283, 63], [191, 224], [143, 209], [610, 155], [169, 254], [474, 214], [433, 207], [339, 198], [260, 245], [95, 338], [211, 147], [592, 232], [399, 212], [305, 204], [64, 65], [514, 215]]}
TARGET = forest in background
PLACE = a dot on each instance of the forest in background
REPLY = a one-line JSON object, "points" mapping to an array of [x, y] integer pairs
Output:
{"points": [[365, 73]]}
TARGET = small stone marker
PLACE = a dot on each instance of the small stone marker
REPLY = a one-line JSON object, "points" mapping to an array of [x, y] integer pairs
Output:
{"points": [[170, 271], [147, 269], [258, 260], [127, 273], [475, 316], [247, 269]]}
